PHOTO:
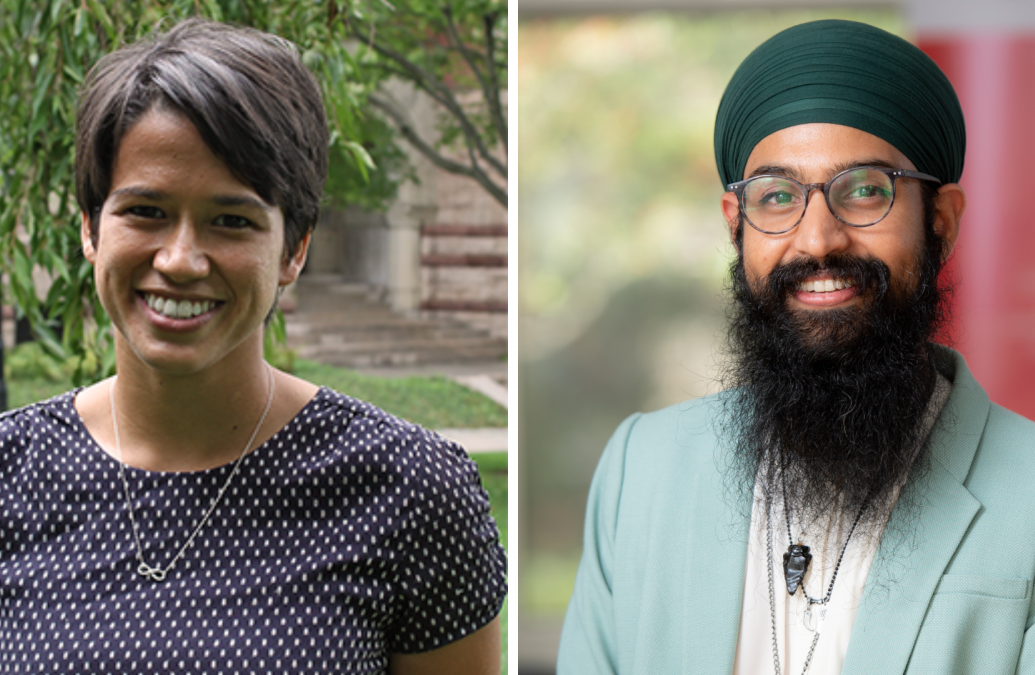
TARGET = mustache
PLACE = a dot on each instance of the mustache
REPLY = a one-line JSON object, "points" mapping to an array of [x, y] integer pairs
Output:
{"points": [[870, 275]]}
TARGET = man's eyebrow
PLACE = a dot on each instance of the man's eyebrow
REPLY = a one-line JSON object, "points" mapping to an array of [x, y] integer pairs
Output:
{"points": [[220, 200], [776, 170], [845, 166], [792, 172]]}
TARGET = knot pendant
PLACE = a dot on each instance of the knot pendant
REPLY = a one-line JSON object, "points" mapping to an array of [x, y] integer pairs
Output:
{"points": [[152, 573]]}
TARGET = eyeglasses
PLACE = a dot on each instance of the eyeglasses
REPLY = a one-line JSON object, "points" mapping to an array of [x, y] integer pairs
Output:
{"points": [[860, 197]]}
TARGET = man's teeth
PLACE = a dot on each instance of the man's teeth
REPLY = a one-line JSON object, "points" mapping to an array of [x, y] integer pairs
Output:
{"points": [[182, 309], [825, 285]]}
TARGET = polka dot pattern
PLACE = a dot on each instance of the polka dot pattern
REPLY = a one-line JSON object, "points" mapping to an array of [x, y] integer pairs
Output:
{"points": [[349, 535]]}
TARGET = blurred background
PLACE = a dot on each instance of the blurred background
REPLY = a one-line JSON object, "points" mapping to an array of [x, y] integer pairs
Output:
{"points": [[623, 249]]}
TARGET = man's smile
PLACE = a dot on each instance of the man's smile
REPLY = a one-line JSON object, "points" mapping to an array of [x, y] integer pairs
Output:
{"points": [[825, 285], [825, 291]]}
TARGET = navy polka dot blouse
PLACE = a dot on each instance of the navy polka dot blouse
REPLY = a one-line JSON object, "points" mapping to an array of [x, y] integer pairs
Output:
{"points": [[349, 535]]}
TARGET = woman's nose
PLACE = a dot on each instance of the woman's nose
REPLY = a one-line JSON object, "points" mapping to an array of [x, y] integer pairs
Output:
{"points": [[182, 257]]}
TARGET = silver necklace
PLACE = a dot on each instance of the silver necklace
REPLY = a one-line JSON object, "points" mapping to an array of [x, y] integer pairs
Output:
{"points": [[156, 573], [772, 605], [809, 622], [796, 560]]}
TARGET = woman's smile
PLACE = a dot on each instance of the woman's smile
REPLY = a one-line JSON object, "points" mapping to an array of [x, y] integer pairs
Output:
{"points": [[182, 315]]}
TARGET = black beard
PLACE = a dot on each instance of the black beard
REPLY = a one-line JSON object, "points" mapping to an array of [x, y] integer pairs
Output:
{"points": [[831, 399]]}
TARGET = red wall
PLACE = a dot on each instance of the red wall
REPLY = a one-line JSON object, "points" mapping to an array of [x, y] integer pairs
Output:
{"points": [[994, 309]]}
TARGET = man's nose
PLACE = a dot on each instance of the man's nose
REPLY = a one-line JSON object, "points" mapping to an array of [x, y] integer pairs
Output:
{"points": [[820, 233]]}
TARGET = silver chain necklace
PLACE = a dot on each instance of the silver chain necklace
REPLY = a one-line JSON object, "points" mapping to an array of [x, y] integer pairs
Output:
{"points": [[155, 573], [772, 605], [814, 627]]}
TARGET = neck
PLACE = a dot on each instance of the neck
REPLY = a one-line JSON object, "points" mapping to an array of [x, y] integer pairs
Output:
{"points": [[189, 421]]}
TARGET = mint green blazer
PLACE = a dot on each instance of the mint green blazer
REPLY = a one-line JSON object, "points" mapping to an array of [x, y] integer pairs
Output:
{"points": [[659, 586]]}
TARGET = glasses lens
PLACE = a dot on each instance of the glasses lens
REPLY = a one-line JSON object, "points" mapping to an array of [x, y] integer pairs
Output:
{"points": [[861, 196], [773, 204]]}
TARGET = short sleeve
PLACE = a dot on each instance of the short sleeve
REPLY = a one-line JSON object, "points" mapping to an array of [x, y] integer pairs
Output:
{"points": [[452, 576]]}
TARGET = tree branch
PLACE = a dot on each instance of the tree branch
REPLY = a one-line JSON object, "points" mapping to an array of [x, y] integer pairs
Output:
{"points": [[495, 109], [407, 131], [490, 88], [427, 82]]}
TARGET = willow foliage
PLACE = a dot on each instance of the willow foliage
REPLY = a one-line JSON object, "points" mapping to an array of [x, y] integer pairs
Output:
{"points": [[47, 46]]}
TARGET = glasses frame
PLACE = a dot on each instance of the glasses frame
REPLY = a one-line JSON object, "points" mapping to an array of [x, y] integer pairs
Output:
{"points": [[807, 188]]}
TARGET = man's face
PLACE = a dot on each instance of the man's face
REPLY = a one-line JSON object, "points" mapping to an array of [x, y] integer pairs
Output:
{"points": [[799, 358], [815, 153]]}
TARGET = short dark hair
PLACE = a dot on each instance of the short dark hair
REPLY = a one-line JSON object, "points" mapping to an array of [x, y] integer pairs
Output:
{"points": [[254, 103]]}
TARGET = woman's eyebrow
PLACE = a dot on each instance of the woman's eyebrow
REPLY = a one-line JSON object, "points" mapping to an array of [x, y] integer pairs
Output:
{"points": [[241, 200], [139, 191], [221, 200]]}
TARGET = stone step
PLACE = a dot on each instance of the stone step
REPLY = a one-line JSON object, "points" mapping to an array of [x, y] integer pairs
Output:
{"points": [[386, 358], [345, 325], [405, 342], [302, 334]]}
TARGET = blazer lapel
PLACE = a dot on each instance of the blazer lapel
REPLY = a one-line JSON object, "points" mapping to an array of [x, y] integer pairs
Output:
{"points": [[903, 578], [913, 556]]}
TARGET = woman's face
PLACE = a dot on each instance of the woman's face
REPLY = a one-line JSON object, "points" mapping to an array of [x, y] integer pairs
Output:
{"points": [[187, 259]]}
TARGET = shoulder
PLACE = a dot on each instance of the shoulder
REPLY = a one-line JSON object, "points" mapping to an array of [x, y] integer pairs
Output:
{"points": [[1007, 428], [364, 424], [342, 433], [657, 458], [1006, 453], [683, 433], [37, 420]]}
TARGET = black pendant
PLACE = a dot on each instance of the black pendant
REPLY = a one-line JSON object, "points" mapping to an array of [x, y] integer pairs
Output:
{"points": [[795, 563]]}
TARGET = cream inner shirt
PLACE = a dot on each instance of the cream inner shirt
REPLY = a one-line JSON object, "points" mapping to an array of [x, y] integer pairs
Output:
{"points": [[835, 619]]}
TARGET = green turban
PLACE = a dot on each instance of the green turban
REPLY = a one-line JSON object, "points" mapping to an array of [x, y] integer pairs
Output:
{"points": [[842, 72]]}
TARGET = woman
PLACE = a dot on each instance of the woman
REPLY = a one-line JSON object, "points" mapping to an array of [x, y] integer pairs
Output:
{"points": [[201, 511]]}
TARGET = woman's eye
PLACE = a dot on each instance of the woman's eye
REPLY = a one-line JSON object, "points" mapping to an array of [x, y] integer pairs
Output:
{"points": [[145, 212], [233, 222]]}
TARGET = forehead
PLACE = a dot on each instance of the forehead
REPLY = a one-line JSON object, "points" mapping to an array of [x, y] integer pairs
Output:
{"points": [[815, 152], [163, 150]]}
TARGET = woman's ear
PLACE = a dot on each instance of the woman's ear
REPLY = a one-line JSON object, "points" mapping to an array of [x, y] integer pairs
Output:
{"points": [[292, 266], [86, 238]]}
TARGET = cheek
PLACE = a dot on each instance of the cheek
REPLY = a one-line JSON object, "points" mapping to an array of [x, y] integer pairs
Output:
{"points": [[900, 247], [761, 255]]}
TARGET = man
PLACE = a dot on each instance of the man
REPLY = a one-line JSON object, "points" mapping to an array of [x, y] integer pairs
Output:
{"points": [[852, 502]]}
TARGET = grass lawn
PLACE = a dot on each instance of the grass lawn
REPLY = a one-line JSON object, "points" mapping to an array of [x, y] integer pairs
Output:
{"points": [[493, 469], [433, 402]]}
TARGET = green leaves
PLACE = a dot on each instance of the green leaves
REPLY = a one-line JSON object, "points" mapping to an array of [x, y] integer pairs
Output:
{"points": [[455, 51]]}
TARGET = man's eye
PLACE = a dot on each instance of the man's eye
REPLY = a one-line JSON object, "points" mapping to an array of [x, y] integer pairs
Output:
{"points": [[865, 192], [233, 222], [145, 212], [868, 192], [777, 198]]}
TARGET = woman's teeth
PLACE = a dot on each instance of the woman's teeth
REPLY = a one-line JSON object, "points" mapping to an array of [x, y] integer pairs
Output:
{"points": [[825, 285], [182, 309]]}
